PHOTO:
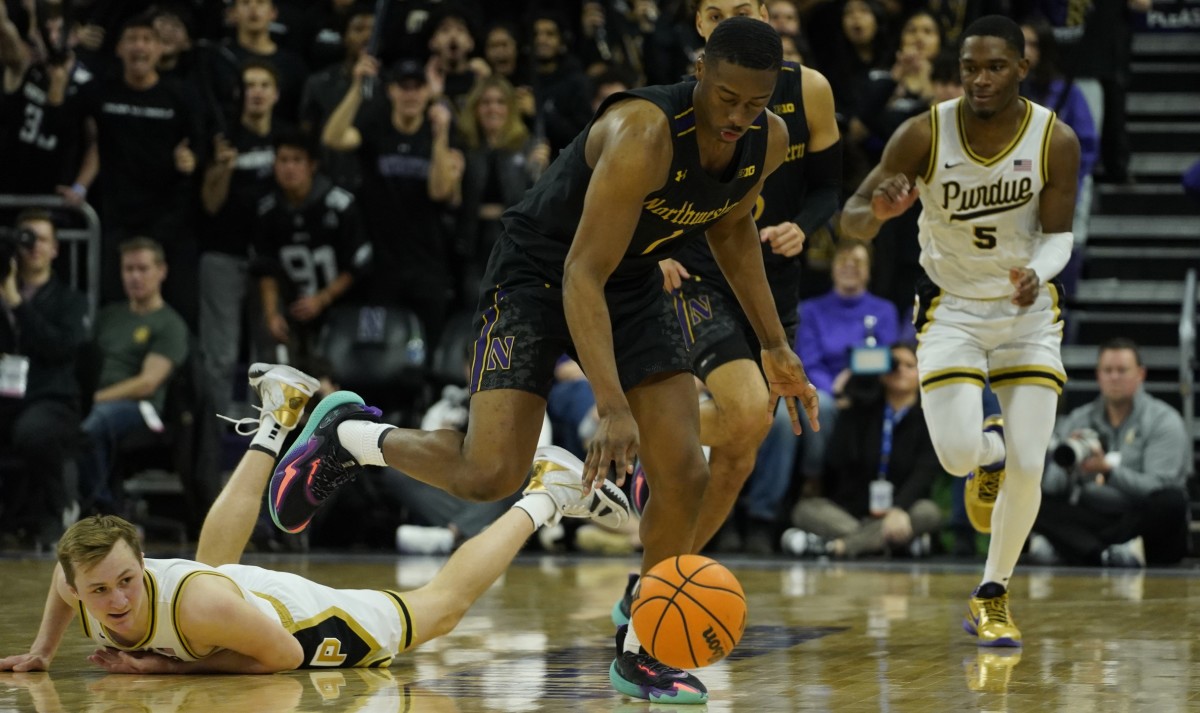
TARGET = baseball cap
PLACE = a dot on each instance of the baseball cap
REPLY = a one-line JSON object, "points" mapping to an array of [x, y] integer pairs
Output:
{"points": [[406, 69]]}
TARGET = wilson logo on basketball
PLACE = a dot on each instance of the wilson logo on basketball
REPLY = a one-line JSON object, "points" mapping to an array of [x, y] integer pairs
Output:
{"points": [[714, 645]]}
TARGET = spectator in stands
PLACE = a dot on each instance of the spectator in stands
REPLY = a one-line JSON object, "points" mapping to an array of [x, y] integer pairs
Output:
{"points": [[324, 91], [309, 246], [1115, 490], [559, 87], [238, 176], [1096, 41], [329, 24], [252, 40], [881, 469], [502, 52], [148, 135], [859, 50], [784, 17], [502, 161], [141, 341], [410, 175], [42, 324], [41, 122], [451, 72], [831, 326], [907, 90], [1047, 85]]}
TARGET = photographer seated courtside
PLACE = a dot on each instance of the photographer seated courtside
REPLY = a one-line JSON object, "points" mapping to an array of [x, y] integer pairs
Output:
{"points": [[1114, 492]]}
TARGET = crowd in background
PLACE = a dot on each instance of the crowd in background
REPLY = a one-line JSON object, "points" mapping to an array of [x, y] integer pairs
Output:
{"points": [[262, 169]]}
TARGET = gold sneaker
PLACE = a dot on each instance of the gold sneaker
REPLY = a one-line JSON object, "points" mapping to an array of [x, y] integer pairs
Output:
{"points": [[991, 671], [283, 391], [989, 620], [983, 485]]}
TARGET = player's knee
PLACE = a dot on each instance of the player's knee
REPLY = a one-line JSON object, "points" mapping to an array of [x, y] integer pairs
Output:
{"points": [[959, 456], [747, 421], [686, 480], [494, 481]]}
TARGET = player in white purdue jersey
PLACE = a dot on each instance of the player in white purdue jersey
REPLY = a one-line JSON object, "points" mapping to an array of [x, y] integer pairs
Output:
{"points": [[996, 175], [216, 616]]}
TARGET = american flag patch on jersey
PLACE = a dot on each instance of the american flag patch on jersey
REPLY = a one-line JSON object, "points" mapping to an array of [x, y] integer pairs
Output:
{"points": [[1023, 164]]}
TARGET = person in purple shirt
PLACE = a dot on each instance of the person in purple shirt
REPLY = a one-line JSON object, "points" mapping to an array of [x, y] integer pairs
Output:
{"points": [[830, 326]]}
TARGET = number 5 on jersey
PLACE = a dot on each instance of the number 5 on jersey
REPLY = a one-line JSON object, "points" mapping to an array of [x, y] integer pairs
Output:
{"points": [[985, 237]]}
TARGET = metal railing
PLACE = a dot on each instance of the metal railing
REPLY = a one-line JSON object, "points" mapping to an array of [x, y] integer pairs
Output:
{"points": [[85, 241], [1187, 354]]}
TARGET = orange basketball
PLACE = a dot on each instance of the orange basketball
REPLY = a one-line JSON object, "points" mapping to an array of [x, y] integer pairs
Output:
{"points": [[689, 611]]}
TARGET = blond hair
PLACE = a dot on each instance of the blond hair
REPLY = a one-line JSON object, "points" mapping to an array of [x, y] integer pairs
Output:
{"points": [[513, 134], [90, 540]]}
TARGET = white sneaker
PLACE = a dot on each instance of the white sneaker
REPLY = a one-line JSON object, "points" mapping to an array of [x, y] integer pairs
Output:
{"points": [[283, 392], [418, 540], [1126, 554], [1041, 551], [560, 475], [801, 543]]}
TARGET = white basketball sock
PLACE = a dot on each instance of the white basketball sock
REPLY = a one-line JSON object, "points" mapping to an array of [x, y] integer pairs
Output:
{"points": [[540, 507], [993, 448], [269, 436], [364, 440], [632, 645]]}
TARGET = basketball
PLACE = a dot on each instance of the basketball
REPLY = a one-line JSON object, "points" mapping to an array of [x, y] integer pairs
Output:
{"points": [[689, 612]]}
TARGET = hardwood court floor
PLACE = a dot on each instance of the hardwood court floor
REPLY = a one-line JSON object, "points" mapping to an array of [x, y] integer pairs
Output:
{"points": [[861, 637]]}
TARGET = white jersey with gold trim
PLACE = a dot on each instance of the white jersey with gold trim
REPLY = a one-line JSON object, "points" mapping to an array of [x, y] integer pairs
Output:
{"points": [[337, 628], [979, 215]]}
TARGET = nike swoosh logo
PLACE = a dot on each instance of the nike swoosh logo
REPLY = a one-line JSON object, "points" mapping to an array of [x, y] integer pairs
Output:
{"points": [[951, 165]]}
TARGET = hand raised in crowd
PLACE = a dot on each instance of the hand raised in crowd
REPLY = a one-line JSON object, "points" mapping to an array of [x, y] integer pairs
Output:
{"points": [[439, 118], [224, 153], [787, 380], [785, 239], [435, 76], [674, 274], [1025, 285], [185, 160], [366, 66], [480, 67], [525, 101], [893, 197], [90, 37], [456, 164]]}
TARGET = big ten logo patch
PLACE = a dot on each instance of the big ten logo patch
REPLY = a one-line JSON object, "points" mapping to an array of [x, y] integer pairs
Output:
{"points": [[329, 684], [786, 108], [329, 653], [499, 353], [748, 171]]}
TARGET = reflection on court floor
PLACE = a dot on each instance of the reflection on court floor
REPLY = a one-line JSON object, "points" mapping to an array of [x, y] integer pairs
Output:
{"points": [[860, 637]]}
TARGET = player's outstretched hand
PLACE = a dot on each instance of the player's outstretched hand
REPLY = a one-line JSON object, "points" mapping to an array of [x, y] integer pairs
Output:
{"points": [[893, 197], [615, 446], [787, 380], [117, 661], [1025, 285], [25, 662]]}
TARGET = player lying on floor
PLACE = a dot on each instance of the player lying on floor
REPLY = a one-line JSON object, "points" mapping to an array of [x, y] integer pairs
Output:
{"points": [[213, 615]]}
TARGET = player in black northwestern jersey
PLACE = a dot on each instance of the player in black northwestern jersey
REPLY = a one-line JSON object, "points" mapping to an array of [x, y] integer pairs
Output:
{"points": [[577, 271], [797, 200], [310, 247]]}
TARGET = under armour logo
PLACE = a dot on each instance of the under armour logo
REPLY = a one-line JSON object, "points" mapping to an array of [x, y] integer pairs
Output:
{"points": [[680, 175]]}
